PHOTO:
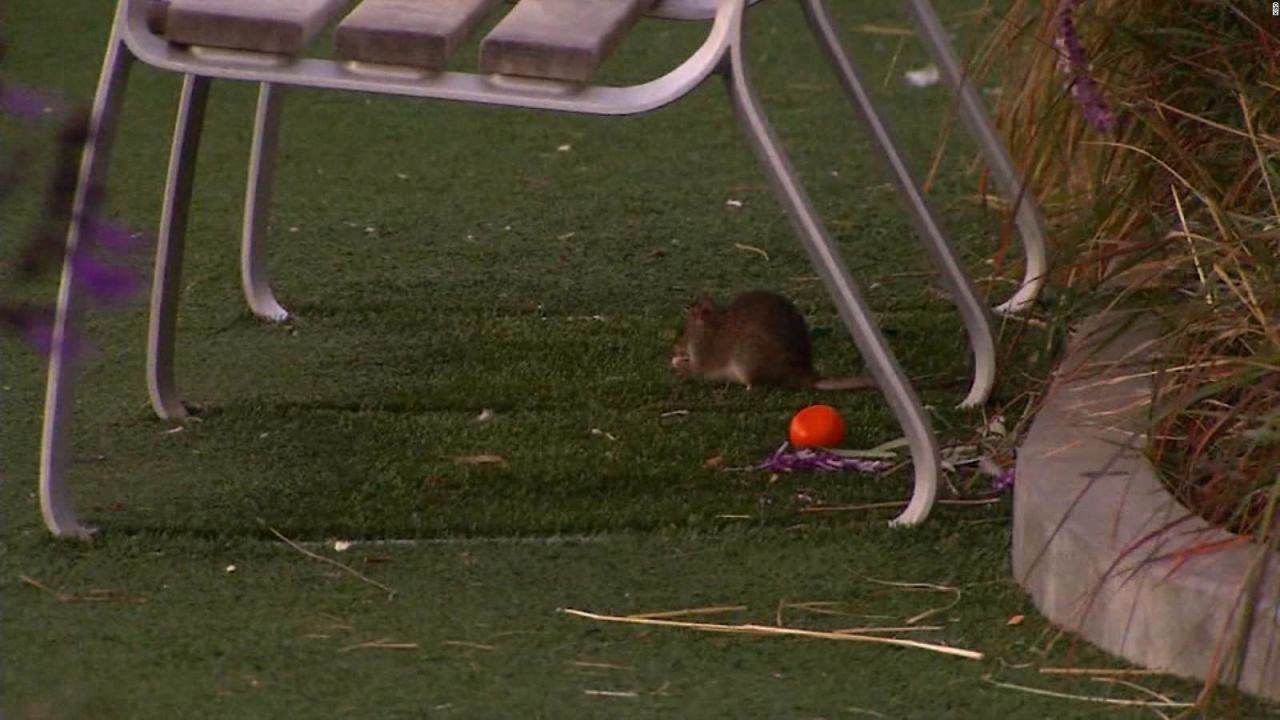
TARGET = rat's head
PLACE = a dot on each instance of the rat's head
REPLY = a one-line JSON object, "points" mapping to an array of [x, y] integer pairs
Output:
{"points": [[699, 315]]}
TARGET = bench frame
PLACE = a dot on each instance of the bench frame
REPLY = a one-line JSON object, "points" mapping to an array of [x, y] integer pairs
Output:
{"points": [[722, 53]]}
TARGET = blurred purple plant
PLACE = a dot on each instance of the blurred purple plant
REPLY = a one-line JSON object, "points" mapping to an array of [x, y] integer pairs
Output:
{"points": [[1074, 62], [1003, 481], [100, 241]]}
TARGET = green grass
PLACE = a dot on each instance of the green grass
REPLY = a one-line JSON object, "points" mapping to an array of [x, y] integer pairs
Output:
{"points": [[440, 261]]}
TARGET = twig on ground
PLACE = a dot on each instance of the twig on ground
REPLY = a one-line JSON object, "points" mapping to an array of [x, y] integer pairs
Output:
{"points": [[770, 630], [345, 568], [383, 644], [715, 609], [1088, 698]]}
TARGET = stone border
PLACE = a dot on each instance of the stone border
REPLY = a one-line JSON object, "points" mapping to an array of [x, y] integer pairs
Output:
{"points": [[1087, 516]]}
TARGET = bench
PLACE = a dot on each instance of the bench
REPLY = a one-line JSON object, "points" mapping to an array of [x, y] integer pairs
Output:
{"points": [[404, 48], [564, 40]]}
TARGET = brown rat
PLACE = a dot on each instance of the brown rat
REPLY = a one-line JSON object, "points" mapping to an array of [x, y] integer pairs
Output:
{"points": [[760, 339]]}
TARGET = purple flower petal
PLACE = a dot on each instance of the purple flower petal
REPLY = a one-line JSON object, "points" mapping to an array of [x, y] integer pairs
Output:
{"points": [[27, 103], [109, 285], [1076, 63], [1003, 482]]}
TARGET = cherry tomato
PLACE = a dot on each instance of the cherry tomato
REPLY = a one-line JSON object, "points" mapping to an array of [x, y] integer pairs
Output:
{"points": [[817, 426]]}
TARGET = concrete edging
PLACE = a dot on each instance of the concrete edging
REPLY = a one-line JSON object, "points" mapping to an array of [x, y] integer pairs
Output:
{"points": [[1085, 495]]}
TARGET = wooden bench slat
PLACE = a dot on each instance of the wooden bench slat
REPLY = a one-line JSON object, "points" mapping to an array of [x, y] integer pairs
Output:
{"points": [[420, 33], [269, 26], [558, 39]]}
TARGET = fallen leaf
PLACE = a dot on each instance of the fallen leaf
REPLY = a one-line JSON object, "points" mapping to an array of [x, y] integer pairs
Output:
{"points": [[341, 545], [479, 460], [714, 461], [1016, 620]]}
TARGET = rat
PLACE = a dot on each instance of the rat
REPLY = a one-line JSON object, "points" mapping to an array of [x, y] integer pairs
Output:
{"points": [[759, 339]]}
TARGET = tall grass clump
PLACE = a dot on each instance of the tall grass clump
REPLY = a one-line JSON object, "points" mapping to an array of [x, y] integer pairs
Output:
{"points": [[1149, 131]]}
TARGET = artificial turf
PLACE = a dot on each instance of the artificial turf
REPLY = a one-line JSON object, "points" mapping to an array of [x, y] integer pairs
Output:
{"points": [[443, 260]]}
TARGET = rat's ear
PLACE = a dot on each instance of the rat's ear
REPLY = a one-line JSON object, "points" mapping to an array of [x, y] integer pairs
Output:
{"points": [[701, 309]]}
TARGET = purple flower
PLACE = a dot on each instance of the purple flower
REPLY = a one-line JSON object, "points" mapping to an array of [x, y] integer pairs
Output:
{"points": [[1003, 481], [26, 103], [108, 285], [1073, 60]]}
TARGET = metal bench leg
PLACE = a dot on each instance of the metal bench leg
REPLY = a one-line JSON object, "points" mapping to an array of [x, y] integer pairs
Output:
{"points": [[167, 279], [257, 202], [972, 310], [56, 506], [974, 114], [825, 257]]}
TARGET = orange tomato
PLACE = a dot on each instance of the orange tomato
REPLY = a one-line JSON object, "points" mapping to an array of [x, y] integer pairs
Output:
{"points": [[817, 426]]}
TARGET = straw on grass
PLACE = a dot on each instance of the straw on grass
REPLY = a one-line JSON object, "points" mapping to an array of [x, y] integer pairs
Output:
{"points": [[345, 568], [1087, 698], [751, 629]]}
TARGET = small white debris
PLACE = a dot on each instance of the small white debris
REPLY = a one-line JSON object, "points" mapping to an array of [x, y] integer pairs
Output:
{"points": [[835, 173], [231, 569], [564, 148], [174, 430], [342, 545], [402, 176], [598, 431], [369, 229], [485, 415], [566, 236], [263, 436], [996, 426], [507, 227], [674, 413], [923, 77], [293, 228], [733, 203]]}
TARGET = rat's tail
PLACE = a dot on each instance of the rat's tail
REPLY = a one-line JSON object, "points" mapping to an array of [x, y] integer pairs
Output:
{"points": [[852, 382]]}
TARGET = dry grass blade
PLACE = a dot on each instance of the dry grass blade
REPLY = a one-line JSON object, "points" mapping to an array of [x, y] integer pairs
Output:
{"points": [[384, 644], [1097, 671], [752, 248], [468, 644], [612, 693], [1087, 698], [95, 595], [771, 630], [330, 561], [603, 666], [932, 587], [872, 629], [713, 610]]}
